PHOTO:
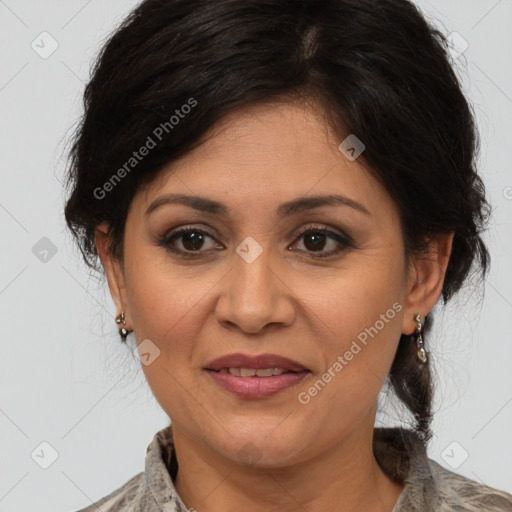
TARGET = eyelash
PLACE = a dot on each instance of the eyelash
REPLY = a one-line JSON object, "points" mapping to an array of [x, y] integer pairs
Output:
{"points": [[166, 240]]}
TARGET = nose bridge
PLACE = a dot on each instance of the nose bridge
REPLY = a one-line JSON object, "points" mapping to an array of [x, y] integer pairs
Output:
{"points": [[252, 274], [254, 295]]}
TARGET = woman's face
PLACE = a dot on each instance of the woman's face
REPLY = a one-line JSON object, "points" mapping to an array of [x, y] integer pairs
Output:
{"points": [[244, 280]]}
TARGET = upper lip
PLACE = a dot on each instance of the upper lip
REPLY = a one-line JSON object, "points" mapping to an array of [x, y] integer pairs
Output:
{"points": [[257, 362]]}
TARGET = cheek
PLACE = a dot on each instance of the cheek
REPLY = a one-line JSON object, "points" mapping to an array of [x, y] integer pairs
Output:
{"points": [[162, 302], [360, 322], [165, 306], [355, 297], [158, 292], [359, 316]]}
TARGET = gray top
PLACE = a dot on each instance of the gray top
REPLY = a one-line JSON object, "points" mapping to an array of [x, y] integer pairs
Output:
{"points": [[400, 453]]}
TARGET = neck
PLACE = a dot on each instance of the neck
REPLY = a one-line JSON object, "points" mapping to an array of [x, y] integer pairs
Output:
{"points": [[345, 478]]}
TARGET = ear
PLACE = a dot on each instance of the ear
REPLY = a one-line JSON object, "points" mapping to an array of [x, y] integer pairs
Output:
{"points": [[113, 269], [426, 278]]}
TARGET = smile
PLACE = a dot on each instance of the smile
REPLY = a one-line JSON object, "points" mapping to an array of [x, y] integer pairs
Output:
{"points": [[252, 372]]}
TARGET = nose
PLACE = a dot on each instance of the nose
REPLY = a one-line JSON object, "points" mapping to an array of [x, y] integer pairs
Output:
{"points": [[254, 296]]}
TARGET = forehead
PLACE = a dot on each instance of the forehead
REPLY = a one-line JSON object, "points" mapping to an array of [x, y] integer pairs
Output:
{"points": [[268, 154], [269, 132]]}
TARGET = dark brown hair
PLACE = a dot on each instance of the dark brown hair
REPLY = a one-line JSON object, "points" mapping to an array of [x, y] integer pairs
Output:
{"points": [[377, 69]]}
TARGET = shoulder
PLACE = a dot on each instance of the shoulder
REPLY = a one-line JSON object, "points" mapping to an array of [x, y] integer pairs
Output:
{"points": [[151, 490], [428, 486], [131, 492], [457, 492]]}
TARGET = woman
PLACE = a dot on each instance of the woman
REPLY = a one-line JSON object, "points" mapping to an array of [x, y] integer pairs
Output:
{"points": [[279, 192]]}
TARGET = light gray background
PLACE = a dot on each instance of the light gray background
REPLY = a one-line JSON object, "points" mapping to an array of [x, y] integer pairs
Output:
{"points": [[65, 377]]}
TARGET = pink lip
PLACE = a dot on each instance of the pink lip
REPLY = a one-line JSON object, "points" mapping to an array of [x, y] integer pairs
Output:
{"points": [[256, 387], [257, 362]]}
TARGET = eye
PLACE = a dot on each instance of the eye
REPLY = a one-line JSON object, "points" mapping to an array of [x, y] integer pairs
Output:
{"points": [[189, 241], [315, 239]]}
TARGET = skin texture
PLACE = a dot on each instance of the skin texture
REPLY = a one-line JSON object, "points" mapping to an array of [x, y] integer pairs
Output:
{"points": [[316, 456]]}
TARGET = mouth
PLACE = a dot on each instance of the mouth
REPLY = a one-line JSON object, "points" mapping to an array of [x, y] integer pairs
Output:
{"points": [[254, 372], [256, 376]]}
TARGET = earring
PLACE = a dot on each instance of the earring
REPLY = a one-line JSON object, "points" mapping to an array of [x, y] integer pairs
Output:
{"points": [[421, 352], [123, 332]]}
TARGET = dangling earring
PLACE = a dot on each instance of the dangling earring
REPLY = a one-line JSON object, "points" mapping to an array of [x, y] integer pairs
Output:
{"points": [[123, 332], [421, 352]]}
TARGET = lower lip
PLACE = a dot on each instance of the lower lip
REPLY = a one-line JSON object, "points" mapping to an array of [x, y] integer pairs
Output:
{"points": [[256, 387]]}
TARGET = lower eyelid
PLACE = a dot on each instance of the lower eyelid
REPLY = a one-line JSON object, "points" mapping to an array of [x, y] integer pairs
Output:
{"points": [[344, 242], [167, 240]]}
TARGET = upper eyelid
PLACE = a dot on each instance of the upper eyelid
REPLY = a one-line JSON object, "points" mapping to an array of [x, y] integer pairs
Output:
{"points": [[177, 231], [345, 242], [304, 229]]}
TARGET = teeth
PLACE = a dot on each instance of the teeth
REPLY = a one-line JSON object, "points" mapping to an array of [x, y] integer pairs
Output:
{"points": [[269, 372], [251, 372]]}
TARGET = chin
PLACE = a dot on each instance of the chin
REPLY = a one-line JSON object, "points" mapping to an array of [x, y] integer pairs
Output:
{"points": [[261, 446]]}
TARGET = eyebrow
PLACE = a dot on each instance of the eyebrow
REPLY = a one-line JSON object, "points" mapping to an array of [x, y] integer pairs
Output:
{"points": [[287, 209]]}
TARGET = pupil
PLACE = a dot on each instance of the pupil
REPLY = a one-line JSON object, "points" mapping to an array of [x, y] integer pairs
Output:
{"points": [[318, 242], [192, 240]]}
